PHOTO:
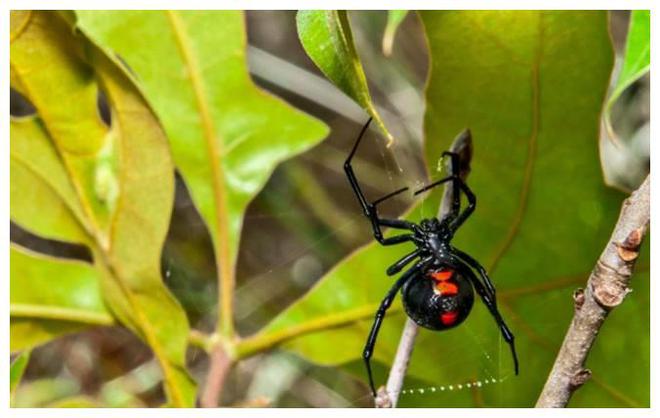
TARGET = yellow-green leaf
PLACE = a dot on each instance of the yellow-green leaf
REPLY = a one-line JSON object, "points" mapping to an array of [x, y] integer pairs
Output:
{"points": [[122, 177], [80, 129], [327, 38], [65, 97], [38, 180], [227, 136], [50, 297]]}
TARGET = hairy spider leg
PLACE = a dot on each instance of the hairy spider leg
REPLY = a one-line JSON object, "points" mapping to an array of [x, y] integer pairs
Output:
{"points": [[489, 301], [370, 209], [380, 314]]}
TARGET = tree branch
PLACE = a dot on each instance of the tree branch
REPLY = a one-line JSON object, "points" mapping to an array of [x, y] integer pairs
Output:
{"points": [[388, 396], [606, 288], [220, 364]]}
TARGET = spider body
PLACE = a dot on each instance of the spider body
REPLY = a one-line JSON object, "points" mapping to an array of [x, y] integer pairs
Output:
{"points": [[438, 300], [438, 290]]}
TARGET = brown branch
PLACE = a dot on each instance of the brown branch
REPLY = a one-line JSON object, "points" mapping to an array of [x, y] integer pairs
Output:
{"points": [[220, 364], [388, 396], [606, 288]]}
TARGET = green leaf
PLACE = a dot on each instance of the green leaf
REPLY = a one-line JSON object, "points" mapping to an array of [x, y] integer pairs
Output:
{"points": [[16, 371], [327, 38], [226, 135], [121, 176], [637, 54], [80, 131], [394, 19], [67, 107], [38, 180], [50, 297], [530, 86]]}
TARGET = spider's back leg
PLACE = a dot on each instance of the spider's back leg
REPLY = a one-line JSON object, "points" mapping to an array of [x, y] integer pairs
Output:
{"points": [[489, 301], [380, 314]]}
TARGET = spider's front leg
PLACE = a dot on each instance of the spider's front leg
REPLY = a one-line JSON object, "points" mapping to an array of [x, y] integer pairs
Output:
{"points": [[472, 204], [456, 191], [370, 209], [455, 216], [380, 314]]}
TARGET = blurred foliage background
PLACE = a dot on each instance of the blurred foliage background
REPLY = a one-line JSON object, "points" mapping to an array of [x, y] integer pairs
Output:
{"points": [[305, 221]]}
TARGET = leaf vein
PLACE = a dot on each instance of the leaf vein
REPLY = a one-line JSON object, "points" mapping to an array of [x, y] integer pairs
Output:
{"points": [[27, 310], [49, 184], [214, 147]]}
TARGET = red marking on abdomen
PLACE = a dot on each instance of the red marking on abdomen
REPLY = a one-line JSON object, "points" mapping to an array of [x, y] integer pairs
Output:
{"points": [[448, 318], [444, 283], [442, 275], [447, 288]]}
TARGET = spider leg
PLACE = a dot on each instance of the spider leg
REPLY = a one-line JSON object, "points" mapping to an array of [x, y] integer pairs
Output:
{"points": [[457, 217], [453, 175], [456, 193], [472, 204], [489, 301], [397, 239], [479, 268], [370, 208], [435, 184], [380, 314], [404, 261]]}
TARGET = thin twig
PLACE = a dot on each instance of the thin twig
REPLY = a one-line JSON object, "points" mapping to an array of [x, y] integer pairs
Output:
{"points": [[606, 288], [220, 364], [388, 396]]}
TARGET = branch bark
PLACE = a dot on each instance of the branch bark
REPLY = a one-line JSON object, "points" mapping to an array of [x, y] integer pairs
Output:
{"points": [[606, 288], [388, 396], [220, 364]]}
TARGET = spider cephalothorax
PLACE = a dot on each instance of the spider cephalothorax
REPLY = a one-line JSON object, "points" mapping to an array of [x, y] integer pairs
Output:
{"points": [[438, 290]]}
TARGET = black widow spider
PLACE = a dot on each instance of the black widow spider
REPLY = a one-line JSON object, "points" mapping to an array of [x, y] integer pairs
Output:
{"points": [[437, 291]]}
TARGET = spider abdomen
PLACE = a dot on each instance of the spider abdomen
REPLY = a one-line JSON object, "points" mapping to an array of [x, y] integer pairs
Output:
{"points": [[439, 300]]}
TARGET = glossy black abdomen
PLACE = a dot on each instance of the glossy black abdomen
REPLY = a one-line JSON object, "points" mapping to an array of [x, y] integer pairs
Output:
{"points": [[438, 299]]}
